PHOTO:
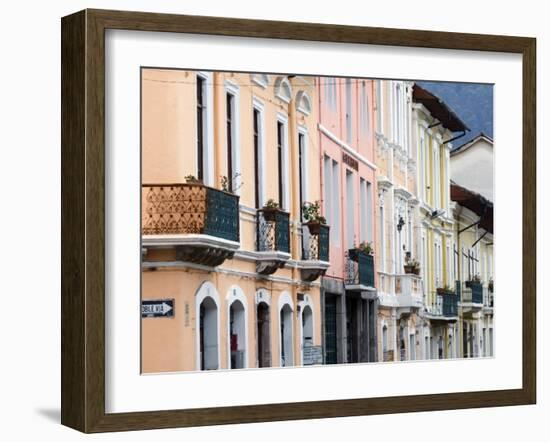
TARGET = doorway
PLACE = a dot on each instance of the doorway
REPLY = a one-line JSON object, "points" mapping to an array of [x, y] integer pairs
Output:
{"points": [[208, 339], [264, 340]]}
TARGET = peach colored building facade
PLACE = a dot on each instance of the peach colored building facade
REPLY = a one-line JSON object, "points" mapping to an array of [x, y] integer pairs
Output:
{"points": [[216, 148], [348, 186]]}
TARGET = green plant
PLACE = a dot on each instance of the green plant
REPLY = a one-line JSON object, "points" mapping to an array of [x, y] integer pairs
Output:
{"points": [[365, 247], [412, 262], [445, 289], [271, 204], [192, 179], [476, 278], [224, 183], [312, 212]]}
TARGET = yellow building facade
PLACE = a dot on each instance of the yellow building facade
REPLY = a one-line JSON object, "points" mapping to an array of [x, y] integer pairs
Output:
{"points": [[399, 285], [435, 128], [227, 161]]}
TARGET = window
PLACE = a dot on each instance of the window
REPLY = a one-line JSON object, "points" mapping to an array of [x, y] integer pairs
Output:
{"points": [[382, 234], [256, 137], [422, 165], [349, 122], [336, 213], [286, 338], [364, 115], [330, 91], [379, 106], [200, 127], [364, 215], [204, 130], [437, 175], [384, 338], [280, 135], [237, 335], [327, 171], [448, 263], [332, 197], [350, 205], [230, 131], [302, 161], [397, 115]]}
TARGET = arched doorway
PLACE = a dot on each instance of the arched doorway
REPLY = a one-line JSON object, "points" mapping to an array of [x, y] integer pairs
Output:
{"points": [[208, 334], [237, 334], [263, 333], [307, 328], [285, 320]]}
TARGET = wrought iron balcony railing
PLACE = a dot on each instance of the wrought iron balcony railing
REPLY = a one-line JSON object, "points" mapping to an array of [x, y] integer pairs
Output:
{"points": [[200, 222], [359, 268], [272, 240], [273, 231], [445, 305], [316, 245], [315, 251], [190, 208], [472, 292]]}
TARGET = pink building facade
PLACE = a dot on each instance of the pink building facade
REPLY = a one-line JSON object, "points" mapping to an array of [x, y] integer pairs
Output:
{"points": [[348, 188]]}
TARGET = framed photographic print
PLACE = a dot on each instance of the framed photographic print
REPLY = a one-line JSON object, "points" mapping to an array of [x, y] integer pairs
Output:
{"points": [[268, 221]]}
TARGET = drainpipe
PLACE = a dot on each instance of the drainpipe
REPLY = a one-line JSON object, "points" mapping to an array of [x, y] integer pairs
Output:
{"points": [[454, 138], [459, 280]]}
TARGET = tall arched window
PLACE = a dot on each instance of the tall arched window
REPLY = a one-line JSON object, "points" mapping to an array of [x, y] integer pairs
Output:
{"points": [[384, 338], [237, 339], [263, 335], [207, 327], [237, 328], [286, 330], [285, 321]]}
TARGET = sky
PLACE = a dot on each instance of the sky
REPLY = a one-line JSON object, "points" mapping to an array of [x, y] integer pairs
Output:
{"points": [[472, 102]]}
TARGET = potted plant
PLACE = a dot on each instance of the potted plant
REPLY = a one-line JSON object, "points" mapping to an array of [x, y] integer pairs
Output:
{"points": [[475, 279], [192, 179], [224, 183], [411, 266], [270, 208], [313, 217], [444, 290], [363, 247]]}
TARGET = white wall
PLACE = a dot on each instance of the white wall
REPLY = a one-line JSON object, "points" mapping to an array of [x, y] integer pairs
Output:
{"points": [[30, 220], [473, 168]]}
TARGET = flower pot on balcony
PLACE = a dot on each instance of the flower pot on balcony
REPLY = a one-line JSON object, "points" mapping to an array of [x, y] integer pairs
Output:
{"points": [[314, 227], [270, 213], [411, 269]]}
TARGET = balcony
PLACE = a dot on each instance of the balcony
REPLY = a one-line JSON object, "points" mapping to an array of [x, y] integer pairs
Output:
{"points": [[359, 271], [315, 251], [408, 289], [200, 222], [472, 296], [444, 307], [272, 240]]}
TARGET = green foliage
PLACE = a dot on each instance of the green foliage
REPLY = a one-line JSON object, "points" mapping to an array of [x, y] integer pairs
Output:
{"points": [[312, 212]]}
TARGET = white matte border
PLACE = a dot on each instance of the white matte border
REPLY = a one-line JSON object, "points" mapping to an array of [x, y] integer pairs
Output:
{"points": [[127, 390]]}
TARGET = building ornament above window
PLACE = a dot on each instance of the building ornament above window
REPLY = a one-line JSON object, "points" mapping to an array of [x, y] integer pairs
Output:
{"points": [[283, 89], [303, 103]]}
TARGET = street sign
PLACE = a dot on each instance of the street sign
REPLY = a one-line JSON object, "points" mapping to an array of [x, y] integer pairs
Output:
{"points": [[157, 308], [313, 355]]}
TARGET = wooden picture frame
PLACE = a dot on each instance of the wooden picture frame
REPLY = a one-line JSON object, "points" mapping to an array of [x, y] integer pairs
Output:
{"points": [[83, 220]]}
